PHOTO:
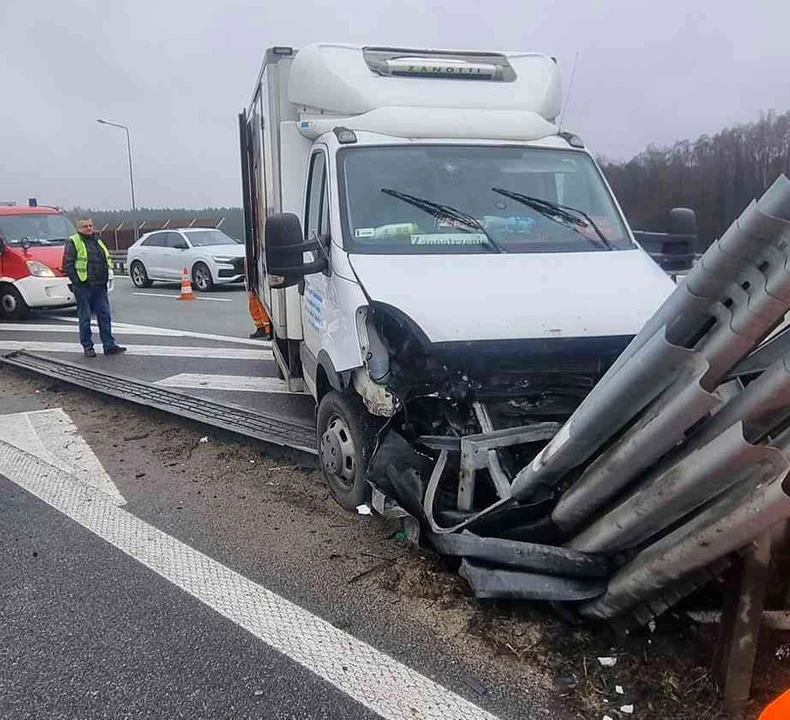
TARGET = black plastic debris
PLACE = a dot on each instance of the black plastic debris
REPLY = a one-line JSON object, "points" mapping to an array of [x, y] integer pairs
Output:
{"points": [[499, 584], [547, 559]]}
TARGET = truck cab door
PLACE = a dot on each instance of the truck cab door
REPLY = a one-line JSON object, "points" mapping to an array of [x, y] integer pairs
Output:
{"points": [[315, 308]]}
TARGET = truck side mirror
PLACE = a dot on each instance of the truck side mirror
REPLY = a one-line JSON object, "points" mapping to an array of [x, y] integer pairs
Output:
{"points": [[2, 244], [675, 249], [682, 222], [681, 245], [285, 248]]}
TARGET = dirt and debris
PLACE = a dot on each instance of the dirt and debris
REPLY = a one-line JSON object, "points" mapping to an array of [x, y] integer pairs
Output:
{"points": [[269, 516]]}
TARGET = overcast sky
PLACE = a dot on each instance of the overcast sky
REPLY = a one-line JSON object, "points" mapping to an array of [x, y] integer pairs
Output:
{"points": [[178, 71]]}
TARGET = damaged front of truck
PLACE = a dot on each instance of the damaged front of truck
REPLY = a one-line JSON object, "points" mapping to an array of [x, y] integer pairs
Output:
{"points": [[502, 282]]}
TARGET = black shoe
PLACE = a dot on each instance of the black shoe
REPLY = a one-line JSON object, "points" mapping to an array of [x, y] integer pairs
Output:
{"points": [[89, 352], [261, 334], [114, 350]]}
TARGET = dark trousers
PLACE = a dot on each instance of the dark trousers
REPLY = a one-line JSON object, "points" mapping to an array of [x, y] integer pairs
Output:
{"points": [[93, 300]]}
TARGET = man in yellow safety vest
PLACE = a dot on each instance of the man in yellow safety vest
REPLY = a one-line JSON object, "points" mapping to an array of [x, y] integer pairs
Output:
{"points": [[86, 262]]}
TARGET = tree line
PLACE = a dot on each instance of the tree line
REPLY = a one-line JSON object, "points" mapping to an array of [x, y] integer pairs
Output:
{"points": [[716, 176]]}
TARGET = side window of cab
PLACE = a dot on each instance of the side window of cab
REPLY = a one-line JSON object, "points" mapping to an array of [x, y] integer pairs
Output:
{"points": [[317, 210], [316, 194]]}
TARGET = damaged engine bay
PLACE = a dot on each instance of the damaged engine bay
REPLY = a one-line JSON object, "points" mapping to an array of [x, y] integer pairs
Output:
{"points": [[599, 472], [513, 396]]}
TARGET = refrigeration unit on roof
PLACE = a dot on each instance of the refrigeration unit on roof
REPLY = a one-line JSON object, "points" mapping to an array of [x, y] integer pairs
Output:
{"points": [[344, 80]]}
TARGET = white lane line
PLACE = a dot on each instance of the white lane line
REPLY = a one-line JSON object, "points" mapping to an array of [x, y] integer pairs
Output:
{"points": [[218, 286], [175, 297], [374, 679], [218, 353], [240, 383], [51, 436], [127, 329]]}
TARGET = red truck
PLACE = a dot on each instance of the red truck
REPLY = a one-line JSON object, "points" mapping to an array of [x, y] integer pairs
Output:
{"points": [[31, 259]]}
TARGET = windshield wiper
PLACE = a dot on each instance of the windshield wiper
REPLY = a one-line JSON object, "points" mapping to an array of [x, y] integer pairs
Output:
{"points": [[559, 213], [447, 212]]}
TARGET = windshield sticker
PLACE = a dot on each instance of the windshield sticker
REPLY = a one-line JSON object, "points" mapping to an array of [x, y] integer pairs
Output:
{"points": [[513, 225], [447, 222], [364, 232], [449, 239]]}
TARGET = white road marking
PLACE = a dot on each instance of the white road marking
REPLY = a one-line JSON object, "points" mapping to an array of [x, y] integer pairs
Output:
{"points": [[51, 436], [372, 678], [127, 329], [240, 383], [219, 353], [175, 297], [218, 286]]}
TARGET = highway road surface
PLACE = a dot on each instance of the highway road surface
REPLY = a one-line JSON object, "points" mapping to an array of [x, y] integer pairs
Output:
{"points": [[201, 347], [156, 568]]}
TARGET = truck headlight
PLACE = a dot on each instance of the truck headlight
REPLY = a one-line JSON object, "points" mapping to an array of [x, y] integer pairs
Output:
{"points": [[34, 267]]}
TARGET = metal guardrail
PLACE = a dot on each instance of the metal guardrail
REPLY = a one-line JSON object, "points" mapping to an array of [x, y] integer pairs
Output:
{"points": [[118, 259], [664, 469], [680, 488], [242, 421]]}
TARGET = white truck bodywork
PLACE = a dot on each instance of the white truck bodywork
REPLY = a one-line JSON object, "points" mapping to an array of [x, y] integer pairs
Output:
{"points": [[535, 292], [300, 98], [620, 293]]}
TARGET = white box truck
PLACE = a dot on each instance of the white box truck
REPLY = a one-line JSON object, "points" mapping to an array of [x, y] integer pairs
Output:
{"points": [[447, 271]]}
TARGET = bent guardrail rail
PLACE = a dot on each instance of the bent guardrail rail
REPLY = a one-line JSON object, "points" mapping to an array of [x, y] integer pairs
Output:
{"points": [[669, 464]]}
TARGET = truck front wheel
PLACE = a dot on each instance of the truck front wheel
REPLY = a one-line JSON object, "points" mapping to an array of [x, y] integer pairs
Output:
{"points": [[346, 437], [12, 304]]}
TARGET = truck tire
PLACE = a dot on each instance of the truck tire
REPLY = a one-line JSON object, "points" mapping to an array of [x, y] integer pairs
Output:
{"points": [[12, 304], [346, 435], [139, 275]]}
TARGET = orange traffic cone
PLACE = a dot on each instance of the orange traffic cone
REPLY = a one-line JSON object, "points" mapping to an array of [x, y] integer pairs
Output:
{"points": [[186, 287], [779, 709]]}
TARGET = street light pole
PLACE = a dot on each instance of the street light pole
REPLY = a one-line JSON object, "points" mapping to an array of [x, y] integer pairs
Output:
{"points": [[131, 171]]}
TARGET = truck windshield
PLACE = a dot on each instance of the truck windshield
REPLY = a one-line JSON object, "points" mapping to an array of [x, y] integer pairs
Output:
{"points": [[38, 228], [526, 200]]}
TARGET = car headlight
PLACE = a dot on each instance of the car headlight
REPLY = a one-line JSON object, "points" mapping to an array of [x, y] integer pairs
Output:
{"points": [[223, 259], [38, 269]]}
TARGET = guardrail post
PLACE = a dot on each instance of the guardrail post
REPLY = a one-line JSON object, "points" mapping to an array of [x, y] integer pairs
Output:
{"points": [[740, 625], [118, 258]]}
